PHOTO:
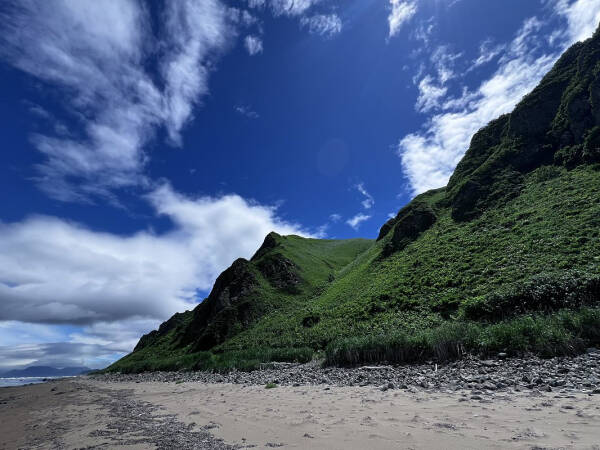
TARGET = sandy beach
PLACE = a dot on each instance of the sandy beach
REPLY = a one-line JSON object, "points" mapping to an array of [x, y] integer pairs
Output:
{"points": [[90, 413]]}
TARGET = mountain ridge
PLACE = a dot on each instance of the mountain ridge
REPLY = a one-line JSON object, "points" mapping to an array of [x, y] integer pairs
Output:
{"points": [[515, 229]]}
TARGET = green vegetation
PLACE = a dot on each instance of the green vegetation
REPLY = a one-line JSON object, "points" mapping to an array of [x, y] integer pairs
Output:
{"points": [[506, 258], [564, 333], [270, 385], [249, 359]]}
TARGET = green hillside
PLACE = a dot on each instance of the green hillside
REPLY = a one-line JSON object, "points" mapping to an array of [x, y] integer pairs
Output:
{"points": [[506, 258]]}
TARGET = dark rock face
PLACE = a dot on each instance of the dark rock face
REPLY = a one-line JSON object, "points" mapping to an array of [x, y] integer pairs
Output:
{"points": [[178, 320], [411, 221], [271, 242], [557, 123], [227, 304], [280, 272], [385, 229]]}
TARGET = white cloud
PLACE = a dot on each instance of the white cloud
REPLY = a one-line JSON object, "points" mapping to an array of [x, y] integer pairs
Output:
{"points": [[369, 201], [322, 24], [582, 18], [401, 12], [119, 286], [355, 221], [487, 52], [194, 29], [335, 218], [444, 61], [291, 7], [253, 44], [424, 31], [53, 271], [97, 54], [429, 95], [429, 157]]}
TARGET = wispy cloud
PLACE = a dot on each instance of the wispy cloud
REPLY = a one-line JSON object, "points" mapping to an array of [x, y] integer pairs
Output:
{"points": [[424, 31], [98, 54], [291, 7], [369, 201], [487, 53], [357, 220], [253, 44], [246, 111], [429, 156], [401, 12], [582, 18], [322, 24]]}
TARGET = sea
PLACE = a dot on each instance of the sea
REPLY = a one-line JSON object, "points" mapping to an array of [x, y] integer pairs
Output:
{"points": [[21, 381]]}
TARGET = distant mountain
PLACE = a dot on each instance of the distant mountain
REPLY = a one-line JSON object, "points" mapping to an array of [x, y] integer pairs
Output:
{"points": [[504, 259], [45, 371]]}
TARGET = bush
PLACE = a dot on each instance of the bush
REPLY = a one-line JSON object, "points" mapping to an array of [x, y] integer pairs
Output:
{"points": [[546, 173], [563, 333], [544, 336], [542, 293]]}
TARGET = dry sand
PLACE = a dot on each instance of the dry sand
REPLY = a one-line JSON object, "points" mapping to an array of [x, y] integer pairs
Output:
{"points": [[95, 414]]}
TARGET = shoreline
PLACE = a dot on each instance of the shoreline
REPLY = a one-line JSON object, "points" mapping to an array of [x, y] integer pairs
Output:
{"points": [[465, 404], [579, 373], [85, 412]]}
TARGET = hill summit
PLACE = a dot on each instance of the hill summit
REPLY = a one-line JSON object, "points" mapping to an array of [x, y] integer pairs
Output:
{"points": [[505, 258]]}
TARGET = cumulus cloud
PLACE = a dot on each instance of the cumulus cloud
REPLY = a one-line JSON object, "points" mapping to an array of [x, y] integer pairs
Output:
{"points": [[356, 221], [429, 156], [322, 24], [98, 54], [117, 287], [54, 271], [253, 44], [400, 13]]}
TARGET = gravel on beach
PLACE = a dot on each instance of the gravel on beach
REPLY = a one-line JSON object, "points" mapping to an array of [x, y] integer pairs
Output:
{"points": [[561, 374]]}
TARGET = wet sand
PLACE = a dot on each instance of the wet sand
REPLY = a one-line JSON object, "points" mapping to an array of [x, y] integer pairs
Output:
{"points": [[89, 413]]}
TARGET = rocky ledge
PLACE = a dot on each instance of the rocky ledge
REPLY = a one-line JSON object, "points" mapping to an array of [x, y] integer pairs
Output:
{"points": [[482, 377]]}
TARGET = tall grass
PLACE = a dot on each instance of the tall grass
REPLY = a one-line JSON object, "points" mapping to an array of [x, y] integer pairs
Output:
{"points": [[249, 359], [563, 333]]}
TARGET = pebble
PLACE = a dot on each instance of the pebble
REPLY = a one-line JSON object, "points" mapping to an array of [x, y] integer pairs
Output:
{"points": [[561, 374]]}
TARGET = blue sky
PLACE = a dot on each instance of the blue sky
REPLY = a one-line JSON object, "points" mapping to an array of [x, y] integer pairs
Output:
{"points": [[146, 145]]}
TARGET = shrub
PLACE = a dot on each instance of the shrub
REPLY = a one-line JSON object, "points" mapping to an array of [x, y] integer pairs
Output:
{"points": [[542, 293], [546, 173], [563, 333]]}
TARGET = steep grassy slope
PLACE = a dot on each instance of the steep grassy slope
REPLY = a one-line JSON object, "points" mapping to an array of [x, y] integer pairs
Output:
{"points": [[515, 233], [552, 228], [282, 276]]}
